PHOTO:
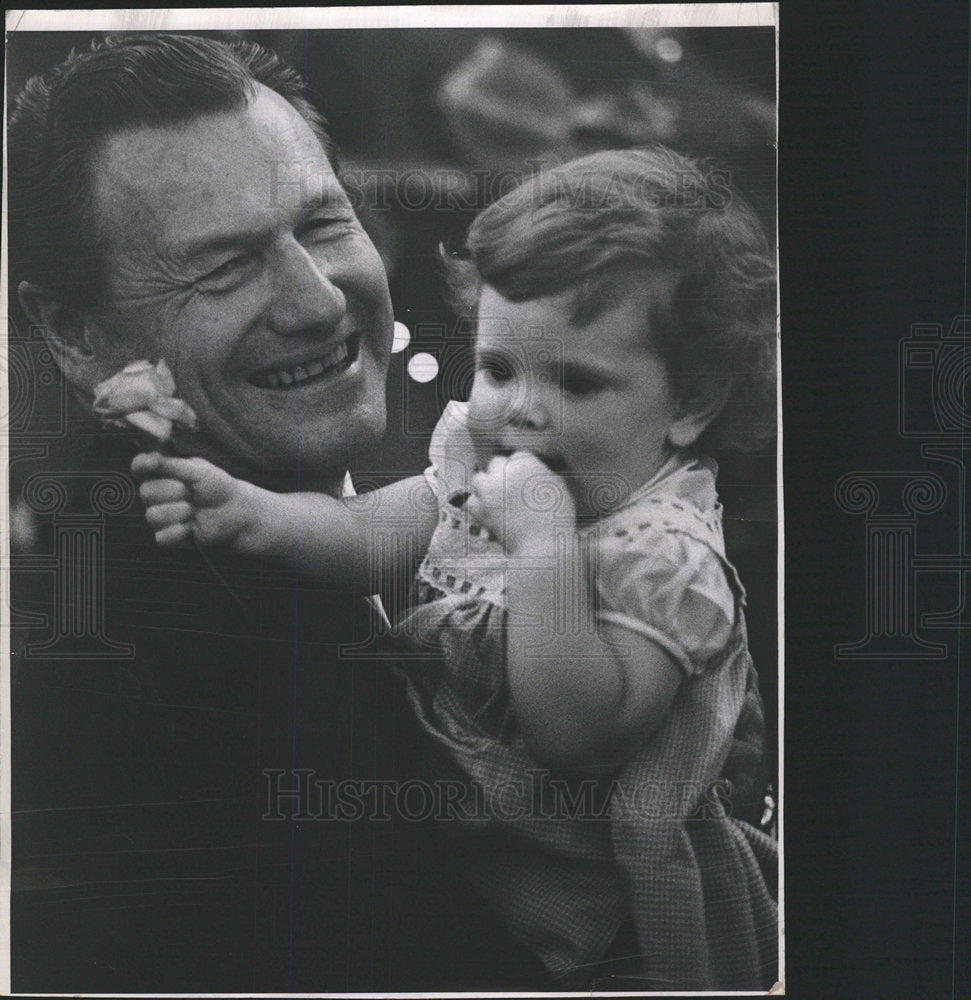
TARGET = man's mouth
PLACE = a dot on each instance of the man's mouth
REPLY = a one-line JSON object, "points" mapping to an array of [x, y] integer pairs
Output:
{"points": [[311, 370]]}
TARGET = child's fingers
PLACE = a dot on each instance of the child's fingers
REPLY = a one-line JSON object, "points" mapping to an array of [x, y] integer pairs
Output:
{"points": [[480, 512], [475, 508], [174, 534], [478, 485], [165, 514], [206, 483], [156, 491], [145, 464], [158, 466]]}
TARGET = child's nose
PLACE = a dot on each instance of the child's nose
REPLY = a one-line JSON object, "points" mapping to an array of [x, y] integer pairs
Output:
{"points": [[510, 403], [529, 410]]}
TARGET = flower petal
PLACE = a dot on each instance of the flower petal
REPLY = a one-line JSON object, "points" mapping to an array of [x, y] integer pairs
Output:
{"points": [[176, 410], [151, 423], [136, 366], [136, 393], [164, 373], [143, 394]]}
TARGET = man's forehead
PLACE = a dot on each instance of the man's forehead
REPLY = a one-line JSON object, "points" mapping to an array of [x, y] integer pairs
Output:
{"points": [[261, 157], [266, 129]]}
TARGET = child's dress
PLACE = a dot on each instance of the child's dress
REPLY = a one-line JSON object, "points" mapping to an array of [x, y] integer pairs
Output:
{"points": [[567, 861]]}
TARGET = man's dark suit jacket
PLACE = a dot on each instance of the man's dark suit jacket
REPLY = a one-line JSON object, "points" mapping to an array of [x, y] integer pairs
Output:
{"points": [[148, 855]]}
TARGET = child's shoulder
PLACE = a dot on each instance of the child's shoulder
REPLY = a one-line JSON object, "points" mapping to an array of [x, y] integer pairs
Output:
{"points": [[661, 565], [680, 500]]}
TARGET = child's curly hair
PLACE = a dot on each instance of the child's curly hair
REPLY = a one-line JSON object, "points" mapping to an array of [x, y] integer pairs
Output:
{"points": [[604, 224]]}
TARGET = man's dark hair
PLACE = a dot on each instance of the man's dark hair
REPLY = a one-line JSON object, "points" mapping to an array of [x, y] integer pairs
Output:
{"points": [[122, 82]]}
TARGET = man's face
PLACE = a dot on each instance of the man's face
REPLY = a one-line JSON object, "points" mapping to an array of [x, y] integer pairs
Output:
{"points": [[232, 252]]}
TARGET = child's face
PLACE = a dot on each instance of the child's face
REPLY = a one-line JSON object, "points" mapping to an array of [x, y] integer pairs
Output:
{"points": [[593, 402]]}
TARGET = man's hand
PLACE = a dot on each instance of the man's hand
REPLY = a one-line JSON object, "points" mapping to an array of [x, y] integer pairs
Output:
{"points": [[190, 497], [519, 500]]}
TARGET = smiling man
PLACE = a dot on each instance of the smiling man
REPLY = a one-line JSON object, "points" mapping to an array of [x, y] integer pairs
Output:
{"points": [[176, 755], [266, 297]]}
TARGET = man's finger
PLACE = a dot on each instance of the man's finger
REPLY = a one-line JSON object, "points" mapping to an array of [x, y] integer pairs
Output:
{"points": [[168, 513], [156, 491]]}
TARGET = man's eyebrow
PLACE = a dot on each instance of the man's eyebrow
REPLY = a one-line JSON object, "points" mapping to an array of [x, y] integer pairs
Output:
{"points": [[203, 245], [215, 242]]}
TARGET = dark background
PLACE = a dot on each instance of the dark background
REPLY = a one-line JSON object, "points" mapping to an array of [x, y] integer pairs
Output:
{"points": [[873, 222], [873, 216]]}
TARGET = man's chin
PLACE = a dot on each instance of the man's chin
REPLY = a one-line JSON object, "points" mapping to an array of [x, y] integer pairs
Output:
{"points": [[310, 452], [322, 464]]}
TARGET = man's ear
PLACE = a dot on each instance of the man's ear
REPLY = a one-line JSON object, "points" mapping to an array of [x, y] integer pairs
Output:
{"points": [[697, 408], [75, 336]]}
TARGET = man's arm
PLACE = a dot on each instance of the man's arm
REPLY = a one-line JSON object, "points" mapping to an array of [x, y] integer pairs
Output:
{"points": [[359, 545]]}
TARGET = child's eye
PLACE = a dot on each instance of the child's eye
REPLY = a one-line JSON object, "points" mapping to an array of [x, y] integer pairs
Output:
{"points": [[581, 384], [494, 367]]}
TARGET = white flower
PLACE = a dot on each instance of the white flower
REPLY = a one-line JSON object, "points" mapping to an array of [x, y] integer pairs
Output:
{"points": [[142, 395]]}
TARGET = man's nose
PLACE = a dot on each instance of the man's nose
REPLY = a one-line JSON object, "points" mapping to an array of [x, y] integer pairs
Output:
{"points": [[305, 294]]}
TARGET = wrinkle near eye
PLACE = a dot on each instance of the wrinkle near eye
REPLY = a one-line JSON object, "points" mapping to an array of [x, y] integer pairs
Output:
{"points": [[137, 280], [148, 295]]}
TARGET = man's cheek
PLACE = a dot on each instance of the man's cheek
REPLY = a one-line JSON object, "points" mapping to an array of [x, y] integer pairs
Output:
{"points": [[127, 338]]}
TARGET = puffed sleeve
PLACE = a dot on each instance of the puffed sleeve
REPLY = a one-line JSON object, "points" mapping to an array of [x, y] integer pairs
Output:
{"points": [[671, 588], [451, 455]]}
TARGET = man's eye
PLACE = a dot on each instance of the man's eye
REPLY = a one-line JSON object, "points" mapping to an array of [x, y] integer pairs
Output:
{"points": [[322, 225], [226, 271]]}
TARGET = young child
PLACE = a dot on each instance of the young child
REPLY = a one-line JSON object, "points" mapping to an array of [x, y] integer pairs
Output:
{"points": [[594, 680]]}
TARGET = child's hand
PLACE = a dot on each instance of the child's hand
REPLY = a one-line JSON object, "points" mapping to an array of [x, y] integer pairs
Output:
{"points": [[520, 500], [186, 497]]}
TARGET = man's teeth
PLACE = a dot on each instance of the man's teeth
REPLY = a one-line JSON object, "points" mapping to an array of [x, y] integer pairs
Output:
{"points": [[300, 373]]}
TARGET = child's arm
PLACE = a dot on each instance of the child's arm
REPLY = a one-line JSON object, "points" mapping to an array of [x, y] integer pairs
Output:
{"points": [[356, 544], [585, 700]]}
